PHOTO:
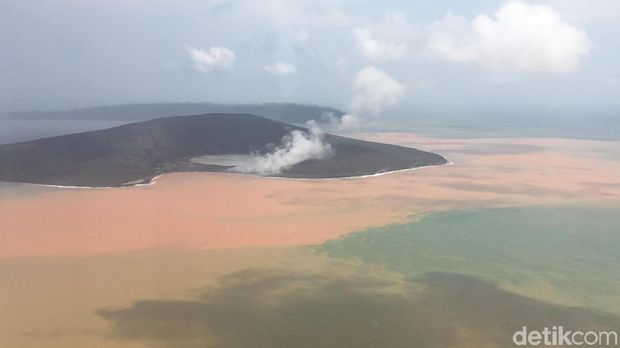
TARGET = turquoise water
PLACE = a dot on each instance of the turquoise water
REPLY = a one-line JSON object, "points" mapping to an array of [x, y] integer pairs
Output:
{"points": [[573, 249]]}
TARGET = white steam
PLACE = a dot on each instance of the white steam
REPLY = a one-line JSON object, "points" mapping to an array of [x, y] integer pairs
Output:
{"points": [[296, 147], [375, 90]]}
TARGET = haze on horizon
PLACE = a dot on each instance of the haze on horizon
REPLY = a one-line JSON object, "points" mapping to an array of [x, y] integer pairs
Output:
{"points": [[363, 57]]}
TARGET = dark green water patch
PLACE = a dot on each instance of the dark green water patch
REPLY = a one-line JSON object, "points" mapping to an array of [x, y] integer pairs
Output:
{"points": [[258, 308]]}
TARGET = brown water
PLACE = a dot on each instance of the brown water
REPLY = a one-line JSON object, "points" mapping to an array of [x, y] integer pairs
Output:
{"points": [[202, 258], [212, 211]]}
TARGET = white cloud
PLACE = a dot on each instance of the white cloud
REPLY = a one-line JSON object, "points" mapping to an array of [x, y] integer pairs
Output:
{"points": [[296, 147], [519, 37], [451, 38], [281, 68], [386, 39], [213, 58], [376, 49], [374, 91]]}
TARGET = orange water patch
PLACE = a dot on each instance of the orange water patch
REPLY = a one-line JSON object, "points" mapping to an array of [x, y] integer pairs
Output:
{"points": [[212, 211]]}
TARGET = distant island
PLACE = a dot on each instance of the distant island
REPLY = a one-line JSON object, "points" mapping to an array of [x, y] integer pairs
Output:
{"points": [[136, 152], [285, 112]]}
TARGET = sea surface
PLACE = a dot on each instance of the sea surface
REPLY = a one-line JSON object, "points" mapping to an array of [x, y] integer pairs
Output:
{"points": [[521, 230], [12, 131]]}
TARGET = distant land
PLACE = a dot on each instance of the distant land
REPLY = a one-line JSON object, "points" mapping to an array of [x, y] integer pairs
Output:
{"points": [[137, 152], [286, 112]]}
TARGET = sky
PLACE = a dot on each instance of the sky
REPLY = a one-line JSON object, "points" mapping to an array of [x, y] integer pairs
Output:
{"points": [[365, 57]]}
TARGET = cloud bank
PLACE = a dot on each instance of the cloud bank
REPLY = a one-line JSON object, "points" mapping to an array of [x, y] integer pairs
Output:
{"points": [[296, 147], [211, 59], [519, 37], [281, 68]]}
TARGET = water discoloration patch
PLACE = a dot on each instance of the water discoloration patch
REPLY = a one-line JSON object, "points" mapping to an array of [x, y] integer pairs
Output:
{"points": [[282, 309]]}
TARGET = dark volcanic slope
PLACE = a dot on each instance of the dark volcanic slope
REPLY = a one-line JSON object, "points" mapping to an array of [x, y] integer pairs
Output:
{"points": [[353, 157], [137, 151]]}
